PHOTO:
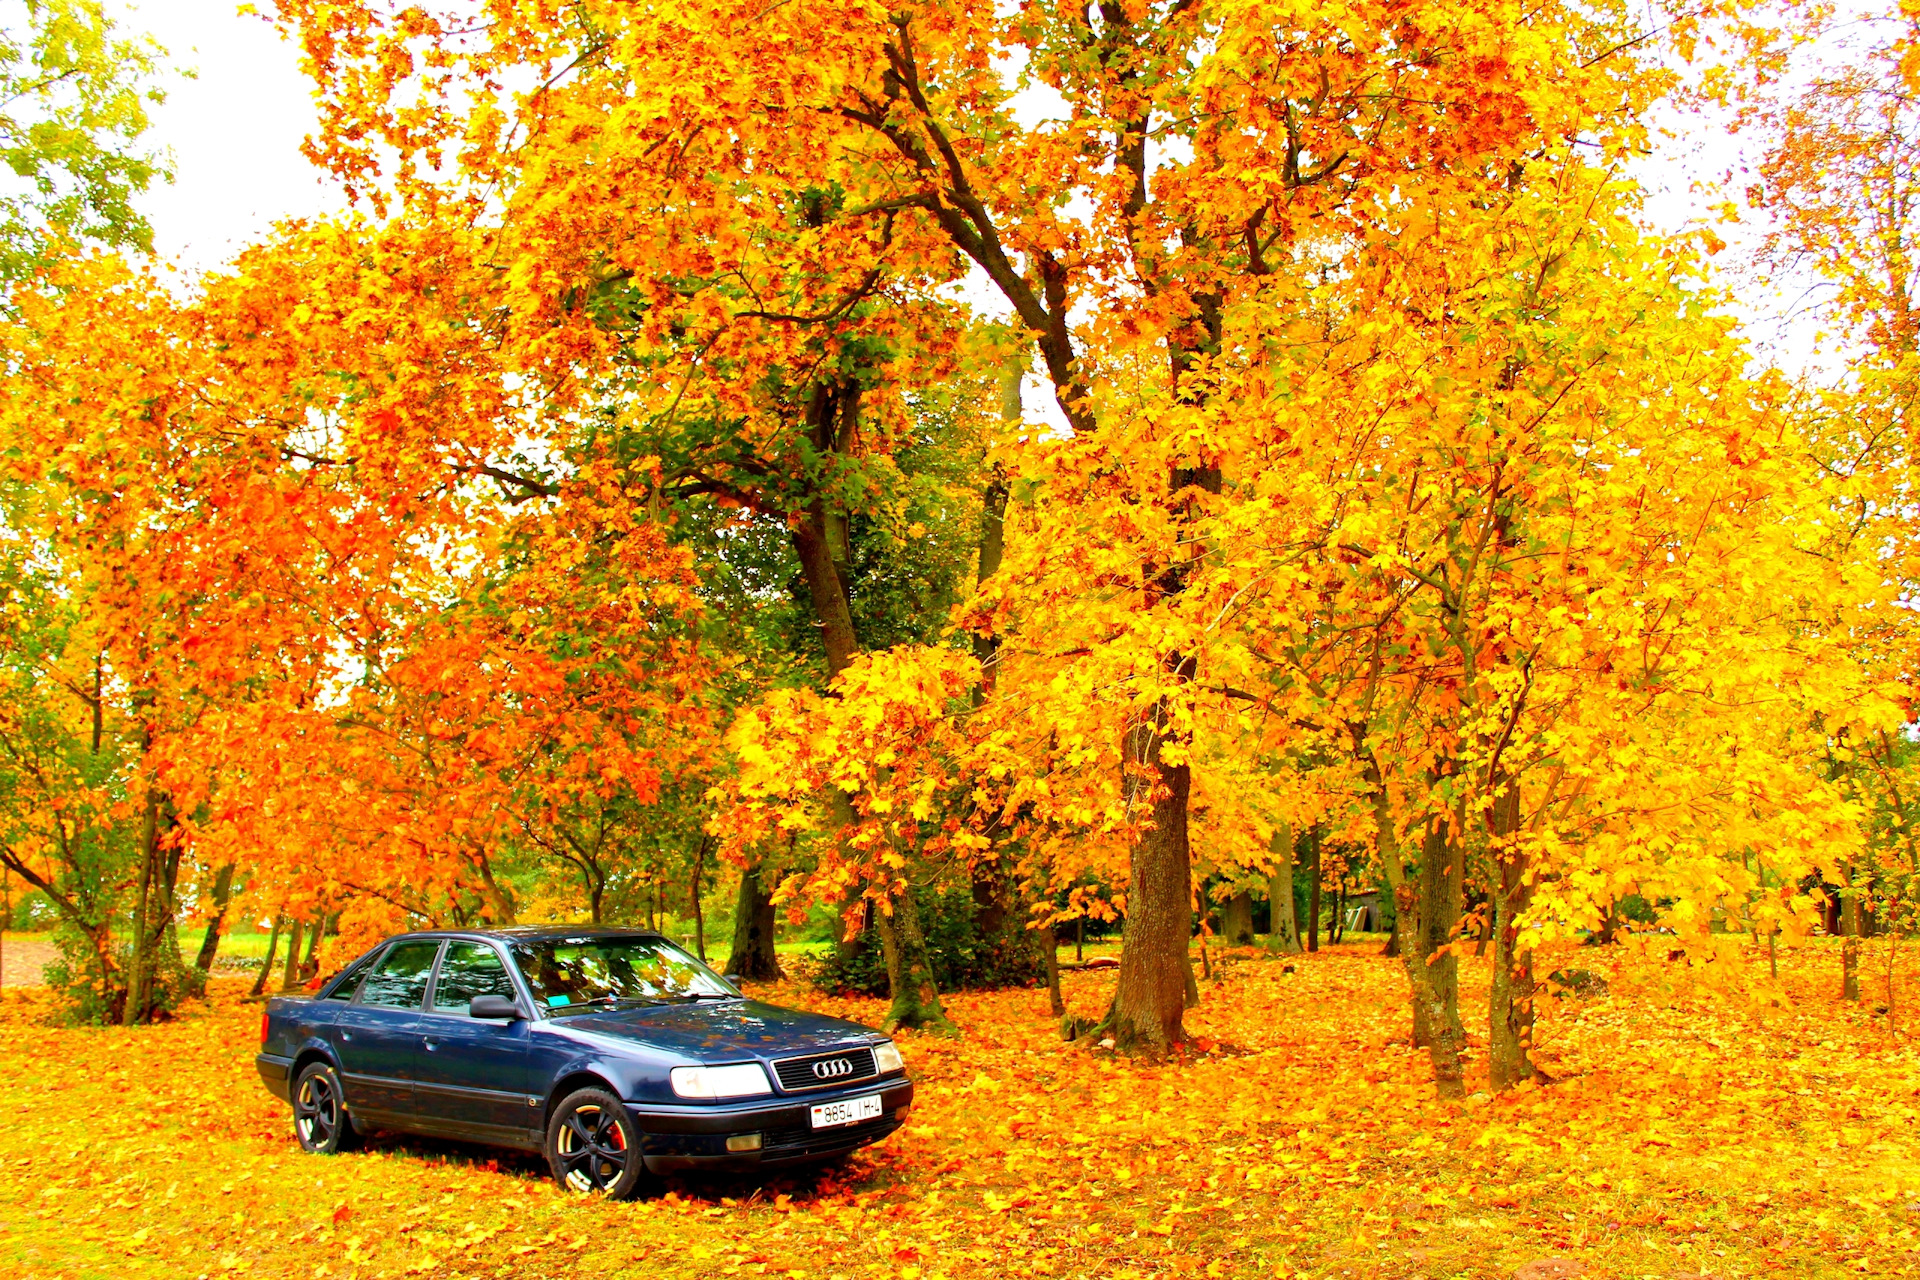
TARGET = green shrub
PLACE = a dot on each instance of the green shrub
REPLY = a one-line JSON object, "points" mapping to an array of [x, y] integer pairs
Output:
{"points": [[962, 958]]}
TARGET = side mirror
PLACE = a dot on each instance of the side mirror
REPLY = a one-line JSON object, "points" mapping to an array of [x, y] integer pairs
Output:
{"points": [[494, 1007], [734, 978]]}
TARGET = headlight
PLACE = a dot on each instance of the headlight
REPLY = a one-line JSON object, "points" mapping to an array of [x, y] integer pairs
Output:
{"points": [[741, 1080], [887, 1059]]}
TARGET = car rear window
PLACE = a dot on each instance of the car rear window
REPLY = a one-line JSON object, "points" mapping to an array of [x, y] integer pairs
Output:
{"points": [[399, 981]]}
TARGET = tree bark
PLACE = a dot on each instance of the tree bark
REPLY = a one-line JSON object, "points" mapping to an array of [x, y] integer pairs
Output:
{"points": [[1432, 970], [291, 978], [1510, 996], [1150, 999], [1236, 925], [1050, 957], [1849, 940], [311, 965], [1313, 895], [699, 915], [222, 894], [1284, 929], [916, 998], [753, 925], [141, 951]]}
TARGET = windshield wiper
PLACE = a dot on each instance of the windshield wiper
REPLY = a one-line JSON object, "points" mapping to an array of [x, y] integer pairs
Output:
{"points": [[600, 1004], [708, 995]]}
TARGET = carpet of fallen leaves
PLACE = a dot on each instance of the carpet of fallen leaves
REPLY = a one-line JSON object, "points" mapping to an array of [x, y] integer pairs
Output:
{"points": [[1688, 1133]]}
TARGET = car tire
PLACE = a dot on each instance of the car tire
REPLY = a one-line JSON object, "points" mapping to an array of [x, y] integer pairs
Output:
{"points": [[320, 1119], [593, 1146]]}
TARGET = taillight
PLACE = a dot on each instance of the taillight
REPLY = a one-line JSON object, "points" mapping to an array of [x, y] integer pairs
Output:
{"points": [[263, 1030]]}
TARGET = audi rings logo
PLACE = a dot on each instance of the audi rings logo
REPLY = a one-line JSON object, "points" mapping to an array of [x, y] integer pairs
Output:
{"points": [[833, 1068]]}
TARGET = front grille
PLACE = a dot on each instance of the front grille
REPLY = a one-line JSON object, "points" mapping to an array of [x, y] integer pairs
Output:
{"points": [[791, 1140], [823, 1070]]}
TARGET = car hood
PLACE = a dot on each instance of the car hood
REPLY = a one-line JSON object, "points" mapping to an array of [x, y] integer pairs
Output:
{"points": [[713, 1031]]}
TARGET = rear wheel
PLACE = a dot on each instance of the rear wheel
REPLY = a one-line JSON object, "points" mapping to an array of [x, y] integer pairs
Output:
{"points": [[593, 1146], [320, 1117]]}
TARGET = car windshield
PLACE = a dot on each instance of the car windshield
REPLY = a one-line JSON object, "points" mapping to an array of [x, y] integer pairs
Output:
{"points": [[573, 973]]}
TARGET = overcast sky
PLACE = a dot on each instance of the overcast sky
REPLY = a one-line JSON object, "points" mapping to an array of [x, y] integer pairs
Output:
{"points": [[234, 131]]}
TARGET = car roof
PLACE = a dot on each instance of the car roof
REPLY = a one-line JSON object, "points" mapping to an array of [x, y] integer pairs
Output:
{"points": [[537, 931]]}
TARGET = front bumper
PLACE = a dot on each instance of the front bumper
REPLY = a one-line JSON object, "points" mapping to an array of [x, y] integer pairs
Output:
{"points": [[695, 1138], [273, 1073]]}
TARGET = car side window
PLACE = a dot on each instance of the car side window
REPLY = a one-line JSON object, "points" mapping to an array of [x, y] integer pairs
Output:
{"points": [[399, 981], [469, 969]]}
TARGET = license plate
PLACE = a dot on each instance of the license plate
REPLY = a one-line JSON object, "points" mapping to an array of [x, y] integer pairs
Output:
{"points": [[846, 1111]]}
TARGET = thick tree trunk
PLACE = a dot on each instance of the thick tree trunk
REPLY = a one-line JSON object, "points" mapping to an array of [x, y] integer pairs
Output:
{"points": [[266, 965], [1236, 925], [916, 998], [1284, 931], [1432, 971], [1150, 998], [210, 943], [753, 925]]}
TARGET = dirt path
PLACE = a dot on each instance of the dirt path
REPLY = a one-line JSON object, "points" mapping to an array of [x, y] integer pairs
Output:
{"points": [[22, 956]]}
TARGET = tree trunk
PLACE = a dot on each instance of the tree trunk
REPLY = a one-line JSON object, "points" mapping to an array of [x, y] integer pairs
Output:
{"points": [[753, 925], [1849, 940], [141, 951], [311, 965], [1050, 957], [916, 998], [1284, 930], [1432, 971], [210, 944], [1510, 997], [1236, 928], [1338, 929], [1150, 999], [1313, 895], [291, 978], [266, 965], [699, 915], [498, 895]]}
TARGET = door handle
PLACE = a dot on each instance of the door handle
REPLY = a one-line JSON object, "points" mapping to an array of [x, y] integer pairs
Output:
{"points": [[431, 1046], [346, 1035]]}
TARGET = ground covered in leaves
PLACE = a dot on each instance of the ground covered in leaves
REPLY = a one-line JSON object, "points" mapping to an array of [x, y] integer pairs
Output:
{"points": [[1689, 1132]]}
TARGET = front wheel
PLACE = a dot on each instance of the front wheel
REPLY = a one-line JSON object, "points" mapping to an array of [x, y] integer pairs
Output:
{"points": [[320, 1117], [593, 1147]]}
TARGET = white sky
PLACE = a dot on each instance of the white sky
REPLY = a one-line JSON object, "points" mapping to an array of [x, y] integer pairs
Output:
{"points": [[234, 132]]}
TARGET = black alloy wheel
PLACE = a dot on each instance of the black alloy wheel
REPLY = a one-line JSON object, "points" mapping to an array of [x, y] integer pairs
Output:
{"points": [[593, 1146], [320, 1118]]}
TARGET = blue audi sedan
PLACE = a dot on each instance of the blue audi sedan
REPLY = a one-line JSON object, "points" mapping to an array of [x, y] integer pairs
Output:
{"points": [[611, 1051]]}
